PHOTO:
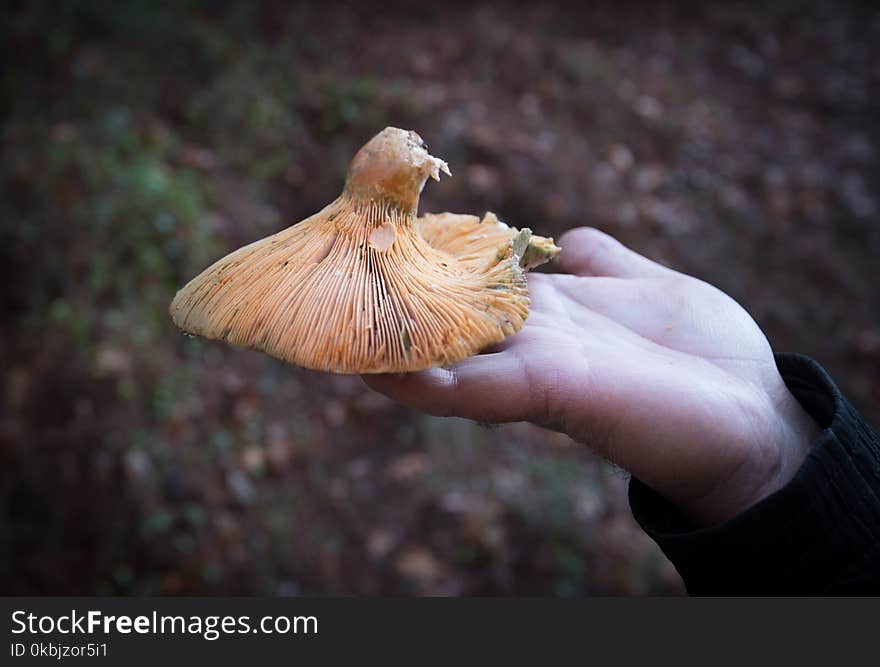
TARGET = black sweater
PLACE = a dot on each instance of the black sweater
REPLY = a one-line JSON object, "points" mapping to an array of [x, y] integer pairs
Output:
{"points": [[820, 534]]}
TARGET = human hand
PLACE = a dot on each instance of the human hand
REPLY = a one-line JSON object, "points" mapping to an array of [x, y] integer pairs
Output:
{"points": [[657, 371]]}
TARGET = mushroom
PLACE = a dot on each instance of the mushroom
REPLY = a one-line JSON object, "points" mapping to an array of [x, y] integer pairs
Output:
{"points": [[471, 240], [363, 286]]}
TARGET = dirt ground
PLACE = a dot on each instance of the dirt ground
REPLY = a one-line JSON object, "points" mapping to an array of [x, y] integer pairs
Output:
{"points": [[737, 143]]}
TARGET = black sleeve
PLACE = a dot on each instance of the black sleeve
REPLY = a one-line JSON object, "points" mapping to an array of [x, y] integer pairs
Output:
{"points": [[820, 534]]}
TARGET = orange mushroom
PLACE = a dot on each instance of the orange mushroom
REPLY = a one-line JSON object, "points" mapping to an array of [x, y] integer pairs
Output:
{"points": [[363, 286]]}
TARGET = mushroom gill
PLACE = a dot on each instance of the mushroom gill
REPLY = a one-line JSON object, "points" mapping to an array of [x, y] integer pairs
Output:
{"points": [[356, 288]]}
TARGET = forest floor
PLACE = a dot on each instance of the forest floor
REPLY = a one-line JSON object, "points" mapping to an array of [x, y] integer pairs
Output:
{"points": [[140, 144]]}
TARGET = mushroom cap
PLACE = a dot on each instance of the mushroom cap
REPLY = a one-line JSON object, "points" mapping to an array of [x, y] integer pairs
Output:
{"points": [[355, 288], [474, 241]]}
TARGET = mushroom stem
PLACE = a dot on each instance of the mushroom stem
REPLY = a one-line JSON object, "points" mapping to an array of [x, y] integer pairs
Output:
{"points": [[392, 167]]}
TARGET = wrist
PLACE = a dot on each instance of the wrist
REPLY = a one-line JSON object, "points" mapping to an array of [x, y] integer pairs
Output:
{"points": [[798, 431], [776, 453]]}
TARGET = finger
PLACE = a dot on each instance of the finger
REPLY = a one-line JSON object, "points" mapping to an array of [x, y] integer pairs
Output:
{"points": [[630, 302], [558, 299], [488, 387], [588, 252], [667, 312]]}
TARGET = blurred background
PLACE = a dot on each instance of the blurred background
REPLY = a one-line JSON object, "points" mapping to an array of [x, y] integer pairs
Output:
{"points": [[141, 141]]}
